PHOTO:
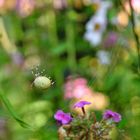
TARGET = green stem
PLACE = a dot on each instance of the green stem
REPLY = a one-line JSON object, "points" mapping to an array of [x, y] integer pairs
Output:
{"points": [[52, 29], [4, 39], [123, 7], [53, 39], [70, 39], [135, 34]]}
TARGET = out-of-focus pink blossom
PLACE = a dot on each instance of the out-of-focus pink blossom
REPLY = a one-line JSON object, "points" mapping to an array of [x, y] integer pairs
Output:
{"points": [[76, 88], [60, 4], [6, 5], [1, 3], [25, 7], [110, 40], [136, 5]]}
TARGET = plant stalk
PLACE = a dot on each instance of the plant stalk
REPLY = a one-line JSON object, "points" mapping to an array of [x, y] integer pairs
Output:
{"points": [[135, 34]]}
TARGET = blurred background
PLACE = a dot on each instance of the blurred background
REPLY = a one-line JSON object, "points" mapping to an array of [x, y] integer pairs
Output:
{"points": [[89, 48]]}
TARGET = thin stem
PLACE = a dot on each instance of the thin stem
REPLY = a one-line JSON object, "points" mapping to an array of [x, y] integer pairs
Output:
{"points": [[11, 110], [54, 41], [70, 39], [94, 116], [87, 135], [135, 34], [83, 110], [4, 39], [122, 5], [93, 129]]}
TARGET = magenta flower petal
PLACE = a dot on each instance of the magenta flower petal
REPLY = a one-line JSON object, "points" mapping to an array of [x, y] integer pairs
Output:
{"points": [[58, 115], [108, 114], [66, 118], [81, 104], [63, 118]]}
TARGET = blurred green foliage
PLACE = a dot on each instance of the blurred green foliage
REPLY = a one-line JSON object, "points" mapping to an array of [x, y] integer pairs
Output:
{"points": [[53, 38]]}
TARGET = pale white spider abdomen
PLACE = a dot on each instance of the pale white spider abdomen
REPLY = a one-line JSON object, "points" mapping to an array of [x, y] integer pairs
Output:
{"points": [[42, 82]]}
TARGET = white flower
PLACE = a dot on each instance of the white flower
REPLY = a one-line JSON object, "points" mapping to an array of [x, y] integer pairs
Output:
{"points": [[95, 28], [103, 57], [105, 5], [97, 25]]}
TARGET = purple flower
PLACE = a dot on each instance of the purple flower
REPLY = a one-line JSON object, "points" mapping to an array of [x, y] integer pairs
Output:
{"points": [[63, 118], [110, 40], [108, 114], [17, 58], [81, 104]]}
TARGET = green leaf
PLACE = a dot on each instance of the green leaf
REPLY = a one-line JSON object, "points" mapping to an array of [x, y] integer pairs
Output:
{"points": [[12, 111]]}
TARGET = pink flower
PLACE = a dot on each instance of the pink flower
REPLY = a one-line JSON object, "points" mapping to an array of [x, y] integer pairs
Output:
{"points": [[76, 88], [1, 2], [25, 7], [136, 5], [60, 4]]}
